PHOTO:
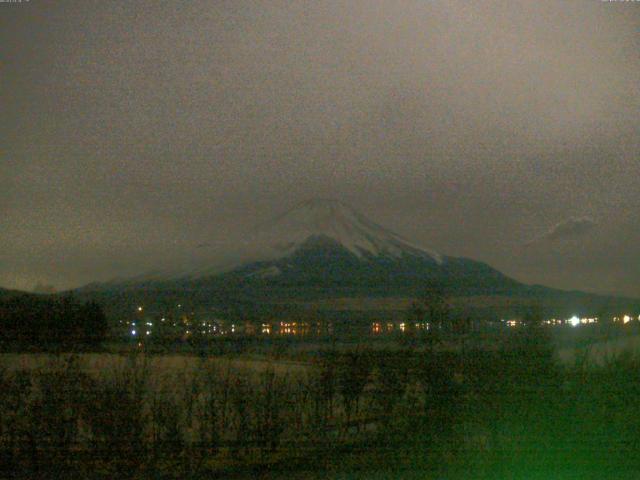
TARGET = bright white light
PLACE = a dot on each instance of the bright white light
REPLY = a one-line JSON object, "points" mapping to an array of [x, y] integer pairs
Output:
{"points": [[139, 309], [626, 319], [133, 332], [574, 321], [148, 332]]}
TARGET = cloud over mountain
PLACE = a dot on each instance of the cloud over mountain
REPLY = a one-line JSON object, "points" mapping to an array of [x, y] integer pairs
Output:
{"points": [[570, 228]]}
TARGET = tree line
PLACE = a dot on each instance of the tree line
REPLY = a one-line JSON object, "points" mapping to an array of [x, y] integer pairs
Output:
{"points": [[45, 322]]}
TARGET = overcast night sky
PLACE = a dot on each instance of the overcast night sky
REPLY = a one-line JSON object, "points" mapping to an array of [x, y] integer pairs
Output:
{"points": [[507, 132]]}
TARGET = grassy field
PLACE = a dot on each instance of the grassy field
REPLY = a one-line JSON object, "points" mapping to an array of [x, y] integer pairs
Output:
{"points": [[98, 363], [513, 411], [600, 351]]}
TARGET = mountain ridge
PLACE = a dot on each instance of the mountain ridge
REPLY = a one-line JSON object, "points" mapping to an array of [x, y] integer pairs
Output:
{"points": [[325, 249]]}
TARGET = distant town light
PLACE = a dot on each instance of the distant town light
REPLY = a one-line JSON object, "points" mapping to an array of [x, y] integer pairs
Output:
{"points": [[626, 319], [139, 309], [148, 332], [133, 332], [574, 321]]}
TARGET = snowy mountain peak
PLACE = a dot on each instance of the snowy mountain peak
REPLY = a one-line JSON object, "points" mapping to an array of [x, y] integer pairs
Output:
{"points": [[308, 224], [337, 221]]}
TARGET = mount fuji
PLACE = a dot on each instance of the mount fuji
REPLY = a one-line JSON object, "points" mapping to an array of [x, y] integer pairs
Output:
{"points": [[324, 250]]}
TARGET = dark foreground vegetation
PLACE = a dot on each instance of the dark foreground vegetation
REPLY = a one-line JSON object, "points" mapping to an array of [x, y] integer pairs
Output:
{"points": [[40, 322], [508, 413]]}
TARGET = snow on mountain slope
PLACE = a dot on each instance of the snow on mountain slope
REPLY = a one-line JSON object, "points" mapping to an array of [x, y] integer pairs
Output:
{"points": [[336, 220], [284, 235]]}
